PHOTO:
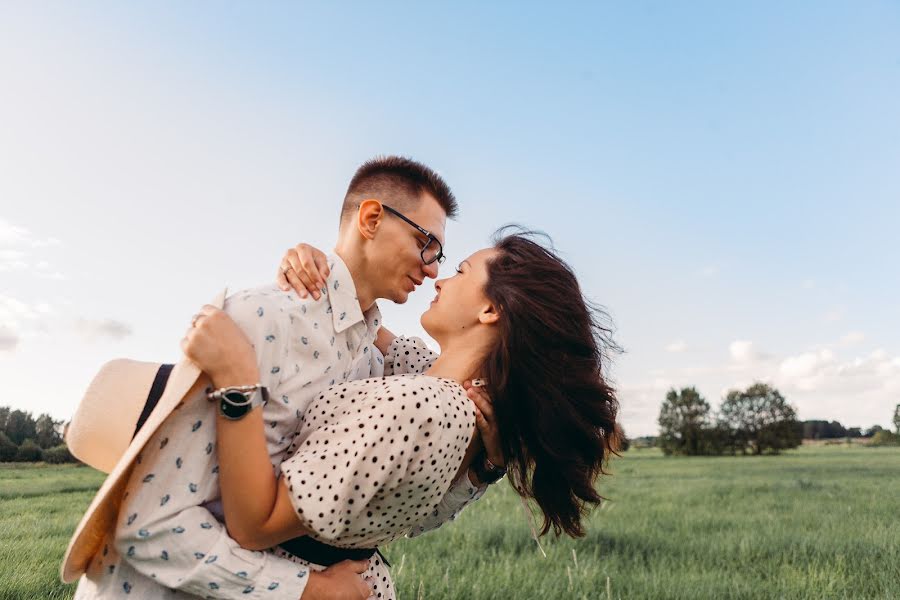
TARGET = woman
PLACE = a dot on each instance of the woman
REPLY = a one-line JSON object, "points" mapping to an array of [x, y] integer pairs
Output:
{"points": [[371, 458]]}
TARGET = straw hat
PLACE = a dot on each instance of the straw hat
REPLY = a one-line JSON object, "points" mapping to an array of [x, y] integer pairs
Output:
{"points": [[100, 435]]}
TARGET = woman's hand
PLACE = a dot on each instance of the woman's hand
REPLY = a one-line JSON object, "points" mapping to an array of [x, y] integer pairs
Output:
{"points": [[305, 269], [487, 425], [217, 345]]}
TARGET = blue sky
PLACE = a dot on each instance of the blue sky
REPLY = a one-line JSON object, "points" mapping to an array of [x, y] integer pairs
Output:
{"points": [[723, 177]]}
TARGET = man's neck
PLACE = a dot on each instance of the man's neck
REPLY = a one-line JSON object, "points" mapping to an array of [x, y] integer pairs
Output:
{"points": [[364, 292]]}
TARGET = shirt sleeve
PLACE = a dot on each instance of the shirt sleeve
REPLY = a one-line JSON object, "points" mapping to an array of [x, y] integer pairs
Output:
{"points": [[369, 477], [408, 355], [462, 493], [165, 534]]}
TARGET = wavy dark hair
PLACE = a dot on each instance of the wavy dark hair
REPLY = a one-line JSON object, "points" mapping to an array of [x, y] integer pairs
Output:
{"points": [[555, 410]]}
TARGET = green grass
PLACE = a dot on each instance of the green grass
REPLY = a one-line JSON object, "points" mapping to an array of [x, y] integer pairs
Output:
{"points": [[815, 523]]}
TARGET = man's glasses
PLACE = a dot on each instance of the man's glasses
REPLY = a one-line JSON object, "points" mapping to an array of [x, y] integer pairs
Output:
{"points": [[432, 251]]}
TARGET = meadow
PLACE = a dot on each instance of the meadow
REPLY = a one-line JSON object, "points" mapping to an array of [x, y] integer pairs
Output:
{"points": [[818, 522]]}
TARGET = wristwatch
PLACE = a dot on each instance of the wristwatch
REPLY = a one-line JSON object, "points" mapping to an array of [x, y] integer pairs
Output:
{"points": [[236, 401], [485, 470]]}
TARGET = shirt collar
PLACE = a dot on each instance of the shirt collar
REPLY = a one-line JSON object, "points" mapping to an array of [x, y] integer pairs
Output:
{"points": [[341, 293]]}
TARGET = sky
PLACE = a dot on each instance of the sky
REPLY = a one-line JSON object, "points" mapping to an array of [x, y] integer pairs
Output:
{"points": [[724, 178]]}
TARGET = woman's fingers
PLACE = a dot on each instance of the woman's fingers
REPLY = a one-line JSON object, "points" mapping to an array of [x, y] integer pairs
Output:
{"points": [[482, 401]]}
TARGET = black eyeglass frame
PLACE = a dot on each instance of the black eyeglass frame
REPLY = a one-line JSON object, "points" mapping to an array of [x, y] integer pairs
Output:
{"points": [[439, 257]]}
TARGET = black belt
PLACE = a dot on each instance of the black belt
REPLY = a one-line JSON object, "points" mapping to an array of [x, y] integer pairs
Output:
{"points": [[322, 554]]}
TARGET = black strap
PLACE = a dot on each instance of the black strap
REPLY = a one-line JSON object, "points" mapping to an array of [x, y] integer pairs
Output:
{"points": [[156, 392], [322, 554]]}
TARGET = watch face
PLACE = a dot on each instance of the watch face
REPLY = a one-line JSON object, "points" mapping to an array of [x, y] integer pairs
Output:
{"points": [[234, 405]]}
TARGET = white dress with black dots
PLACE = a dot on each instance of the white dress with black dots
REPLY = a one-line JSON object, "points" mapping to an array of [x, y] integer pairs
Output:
{"points": [[374, 457]]}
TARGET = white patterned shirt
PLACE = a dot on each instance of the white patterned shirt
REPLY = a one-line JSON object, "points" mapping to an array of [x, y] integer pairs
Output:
{"points": [[168, 541]]}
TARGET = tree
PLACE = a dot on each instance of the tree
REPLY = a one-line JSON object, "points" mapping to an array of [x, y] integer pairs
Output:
{"points": [[19, 427], [47, 432], [8, 450], [897, 419], [871, 431], [682, 418], [761, 420], [58, 455], [29, 451]]}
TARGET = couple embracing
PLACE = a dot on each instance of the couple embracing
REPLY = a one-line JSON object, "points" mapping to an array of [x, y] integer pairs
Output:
{"points": [[298, 434]]}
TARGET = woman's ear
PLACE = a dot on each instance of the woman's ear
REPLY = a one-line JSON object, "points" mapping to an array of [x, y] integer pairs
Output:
{"points": [[368, 217], [489, 314]]}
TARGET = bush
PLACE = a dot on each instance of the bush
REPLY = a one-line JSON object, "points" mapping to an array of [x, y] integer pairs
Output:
{"points": [[885, 438], [58, 455], [28, 452]]}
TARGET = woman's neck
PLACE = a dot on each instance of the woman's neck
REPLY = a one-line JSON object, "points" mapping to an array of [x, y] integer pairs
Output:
{"points": [[461, 358]]}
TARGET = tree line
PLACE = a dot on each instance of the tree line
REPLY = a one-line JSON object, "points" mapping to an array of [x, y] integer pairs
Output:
{"points": [[24, 438], [758, 420]]}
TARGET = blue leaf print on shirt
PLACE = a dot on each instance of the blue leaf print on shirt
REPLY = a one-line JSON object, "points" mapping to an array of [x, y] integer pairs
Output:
{"points": [[196, 426], [304, 340], [215, 469], [205, 525], [164, 499], [209, 448], [127, 587], [149, 478], [343, 316], [285, 399], [130, 551], [178, 529], [242, 574], [143, 533], [316, 354], [212, 558], [213, 585], [332, 340], [178, 462], [273, 585], [163, 443], [303, 310], [339, 355], [259, 311], [270, 338], [192, 487], [301, 574], [248, 589], [336, 284], [131, 518], [198, 555], [275, 370], [164, 555]]}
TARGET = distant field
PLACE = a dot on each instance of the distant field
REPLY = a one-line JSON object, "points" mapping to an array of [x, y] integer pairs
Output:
{"points": [[820, 522]]}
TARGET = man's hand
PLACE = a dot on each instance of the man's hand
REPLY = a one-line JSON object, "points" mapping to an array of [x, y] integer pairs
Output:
{"points": [[343, 581], [487, 425], [305, 269], [216, 344]]}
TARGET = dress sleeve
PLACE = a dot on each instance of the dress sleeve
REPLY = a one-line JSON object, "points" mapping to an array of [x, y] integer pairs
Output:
{"points": [[382, 466], [408, 355], [462, 493]]}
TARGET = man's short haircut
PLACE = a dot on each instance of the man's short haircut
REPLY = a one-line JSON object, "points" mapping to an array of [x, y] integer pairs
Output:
{"points": [[398, 182]]}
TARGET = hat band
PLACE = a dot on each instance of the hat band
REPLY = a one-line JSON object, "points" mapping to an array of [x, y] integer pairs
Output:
{"points": [[156, 392]]}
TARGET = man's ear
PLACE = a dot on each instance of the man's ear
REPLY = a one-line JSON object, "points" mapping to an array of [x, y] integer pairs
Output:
{"points": [[368, 217], [489, 314]]}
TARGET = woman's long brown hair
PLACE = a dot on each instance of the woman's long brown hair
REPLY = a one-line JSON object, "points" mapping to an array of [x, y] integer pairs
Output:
{"points": [[555, 411]]}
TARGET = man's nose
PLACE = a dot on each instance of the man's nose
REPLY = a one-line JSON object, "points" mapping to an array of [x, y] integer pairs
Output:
{"points": [[431, 270]]}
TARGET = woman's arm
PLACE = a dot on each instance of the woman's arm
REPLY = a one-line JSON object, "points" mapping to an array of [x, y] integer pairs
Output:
{"points": [[258, 511]]}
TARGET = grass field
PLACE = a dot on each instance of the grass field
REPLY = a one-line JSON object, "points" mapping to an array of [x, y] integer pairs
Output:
{"points": [[820, 522]]}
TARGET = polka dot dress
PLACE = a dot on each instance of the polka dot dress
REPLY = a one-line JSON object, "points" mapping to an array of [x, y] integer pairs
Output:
{"points": [[374, 457]]}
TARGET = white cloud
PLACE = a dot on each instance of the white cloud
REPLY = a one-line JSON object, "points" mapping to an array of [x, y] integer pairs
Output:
{"points": [[833, 315], [9, 339], [104, 328], [676, 346], [854, 337], [743, 352]]}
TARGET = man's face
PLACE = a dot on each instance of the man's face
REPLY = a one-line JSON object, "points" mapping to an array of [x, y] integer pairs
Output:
{"points": [[398, 248]]}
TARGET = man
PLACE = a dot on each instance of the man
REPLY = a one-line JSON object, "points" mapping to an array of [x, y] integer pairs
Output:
{"points": [[167, 541]]}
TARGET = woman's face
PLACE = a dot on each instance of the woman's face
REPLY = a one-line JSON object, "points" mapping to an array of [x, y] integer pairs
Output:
{"points": [[460, 303]]}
